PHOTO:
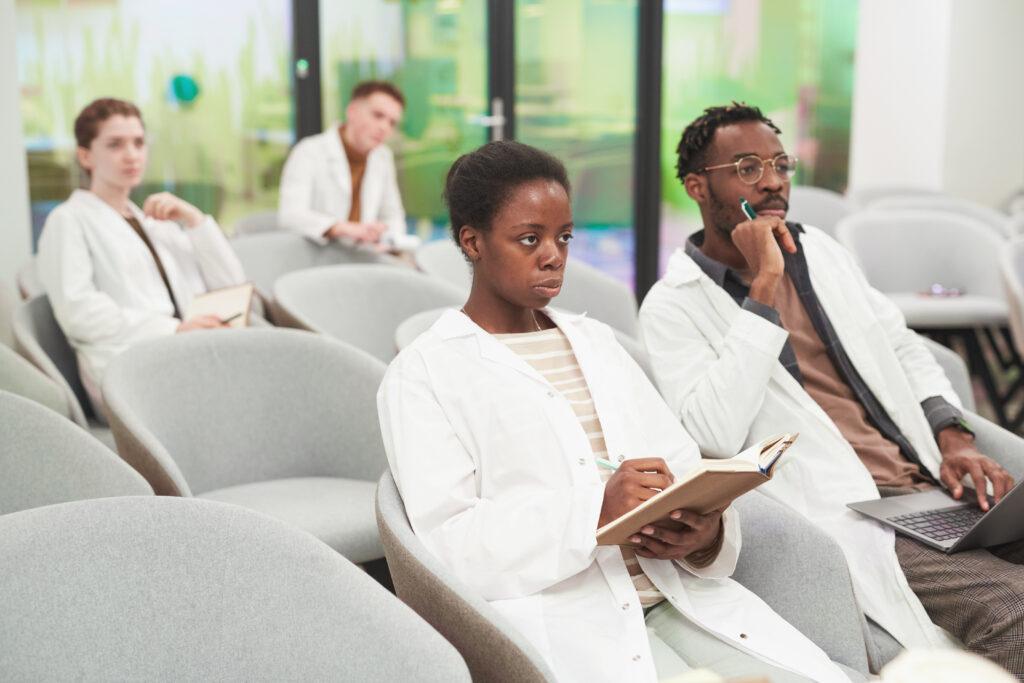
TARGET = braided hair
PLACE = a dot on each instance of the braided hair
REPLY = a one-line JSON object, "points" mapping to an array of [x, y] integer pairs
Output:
{"points": [[696, 137]]}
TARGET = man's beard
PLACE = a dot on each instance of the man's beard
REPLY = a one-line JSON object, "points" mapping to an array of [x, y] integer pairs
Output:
{"points": [[724, 219]]}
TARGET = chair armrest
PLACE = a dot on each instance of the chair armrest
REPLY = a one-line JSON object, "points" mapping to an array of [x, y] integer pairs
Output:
{"points": [[1004, 447], [802, 574]]}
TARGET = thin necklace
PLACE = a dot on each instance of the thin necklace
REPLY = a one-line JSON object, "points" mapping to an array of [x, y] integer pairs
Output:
{"points": [[533, 313]]}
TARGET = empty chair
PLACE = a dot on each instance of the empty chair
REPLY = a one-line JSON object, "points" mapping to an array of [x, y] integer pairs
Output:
{"points": [[29, 285], [261, 221], [904, 253], [45, 459], [267, 256], [815, 597], [997, 220], [864, 196], [39, 338], [280, 421], [419, 323], [818, 207], [20, 377], [585, 289], [155, 588], [360, 305]]}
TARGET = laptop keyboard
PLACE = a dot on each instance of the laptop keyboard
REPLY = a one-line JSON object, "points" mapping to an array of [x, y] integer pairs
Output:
{"points": [[941, 525]]}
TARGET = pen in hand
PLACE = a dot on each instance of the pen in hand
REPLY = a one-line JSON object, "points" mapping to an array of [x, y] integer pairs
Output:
{"points": [[225, 321]]}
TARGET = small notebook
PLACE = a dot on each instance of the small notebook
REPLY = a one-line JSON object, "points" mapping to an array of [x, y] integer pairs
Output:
{"points": [[711, 485], [230, 304]]}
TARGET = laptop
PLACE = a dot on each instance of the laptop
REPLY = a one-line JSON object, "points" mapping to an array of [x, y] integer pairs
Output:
{"points": [[936, 519]]}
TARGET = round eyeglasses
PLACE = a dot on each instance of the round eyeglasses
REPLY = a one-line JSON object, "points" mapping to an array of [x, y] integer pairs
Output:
{"points": [[750, 169]]}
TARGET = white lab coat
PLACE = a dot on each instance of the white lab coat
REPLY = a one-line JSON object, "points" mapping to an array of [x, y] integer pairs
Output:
{"points": [[316, 188], [500, 483], [103, 283], [717, 366]]}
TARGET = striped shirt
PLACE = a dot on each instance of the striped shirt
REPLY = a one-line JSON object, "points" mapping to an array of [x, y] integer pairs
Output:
{"points": [[550, 354]]}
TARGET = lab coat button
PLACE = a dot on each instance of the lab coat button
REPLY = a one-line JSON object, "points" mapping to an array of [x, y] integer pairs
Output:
{"points": [[582, 461], [625, 605], [636, 658], [621, 458], [743, 636], [551, 394]]}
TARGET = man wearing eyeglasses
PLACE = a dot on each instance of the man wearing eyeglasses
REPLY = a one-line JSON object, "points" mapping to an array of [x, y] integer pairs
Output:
{"points": [[760, 326]]}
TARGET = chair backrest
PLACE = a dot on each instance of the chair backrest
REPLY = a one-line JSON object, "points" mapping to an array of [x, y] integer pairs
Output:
{"points": [[490, 645], [266, 256], [20, 377], [40, 339], [360, 305], [864, 196], [27, 278], [907, 251], [585, 289], [956, 371], [443, 259], [415, 325], [261, 221], [206, 410], [817, 206], [45, 459], [165, 588], [9, 300], [998, 221], [1011, 270]]}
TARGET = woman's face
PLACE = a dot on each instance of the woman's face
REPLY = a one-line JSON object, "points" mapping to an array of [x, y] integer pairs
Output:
{"points": [[117, 155], [522, 257]]}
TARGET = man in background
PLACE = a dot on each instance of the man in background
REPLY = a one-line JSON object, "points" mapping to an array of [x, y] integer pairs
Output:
{"points": [[341, 184]]}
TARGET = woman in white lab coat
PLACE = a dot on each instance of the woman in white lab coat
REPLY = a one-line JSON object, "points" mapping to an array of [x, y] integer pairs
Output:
{"points": [[116, 274], [496, 460]]}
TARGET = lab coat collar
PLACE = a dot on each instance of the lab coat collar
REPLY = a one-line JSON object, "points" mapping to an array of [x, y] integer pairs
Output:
{"points": [[93, 202], [681, 270]]}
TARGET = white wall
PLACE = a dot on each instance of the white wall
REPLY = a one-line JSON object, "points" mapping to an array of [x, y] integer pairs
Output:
{"points": [[985, 101], [937, 97], [15, 220], [899, 93]]}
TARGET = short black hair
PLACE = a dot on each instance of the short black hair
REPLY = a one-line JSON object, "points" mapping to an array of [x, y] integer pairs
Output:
{"points": [[480, 182], [691, 153]]}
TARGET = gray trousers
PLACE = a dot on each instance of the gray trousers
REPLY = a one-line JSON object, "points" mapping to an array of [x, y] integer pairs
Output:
{"points": [[977, 595]]}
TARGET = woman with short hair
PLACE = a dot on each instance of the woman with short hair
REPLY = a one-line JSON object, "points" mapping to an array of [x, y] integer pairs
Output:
{"points": [[117, 274], [494, 422]]}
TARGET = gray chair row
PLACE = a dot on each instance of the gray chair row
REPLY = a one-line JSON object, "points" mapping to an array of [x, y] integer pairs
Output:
{"points": [[278, 421], [156, 588]]}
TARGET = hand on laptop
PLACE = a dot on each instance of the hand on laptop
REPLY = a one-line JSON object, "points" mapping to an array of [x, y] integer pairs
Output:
{"points": [[960, 457]]}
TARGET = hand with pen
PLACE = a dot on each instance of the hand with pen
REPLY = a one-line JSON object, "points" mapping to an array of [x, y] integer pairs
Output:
{"points": [[201, 322], [682, 534], [761, 239]]}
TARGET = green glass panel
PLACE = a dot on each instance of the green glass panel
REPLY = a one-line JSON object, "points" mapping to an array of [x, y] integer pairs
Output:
{"points": [[435, 51], [575, 98], [211, 79], [792, 58]]}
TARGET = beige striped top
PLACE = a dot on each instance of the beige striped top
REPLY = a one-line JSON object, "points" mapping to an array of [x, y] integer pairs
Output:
{"points": [[550, 354]]}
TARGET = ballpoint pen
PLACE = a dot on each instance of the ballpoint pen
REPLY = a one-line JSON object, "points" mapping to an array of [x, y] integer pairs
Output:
{"points": [[747, 209]]}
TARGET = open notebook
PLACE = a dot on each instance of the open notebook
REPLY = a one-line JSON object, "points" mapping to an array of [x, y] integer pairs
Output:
{"points": [[230, 304], [711, 485]]}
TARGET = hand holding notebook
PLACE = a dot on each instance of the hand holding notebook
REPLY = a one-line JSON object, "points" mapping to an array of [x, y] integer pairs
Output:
{"points": [[711, 485], [231, 305]]}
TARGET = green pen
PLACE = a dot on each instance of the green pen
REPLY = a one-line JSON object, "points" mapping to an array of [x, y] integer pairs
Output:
{"points": [[607, 464], [747, 209]]}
